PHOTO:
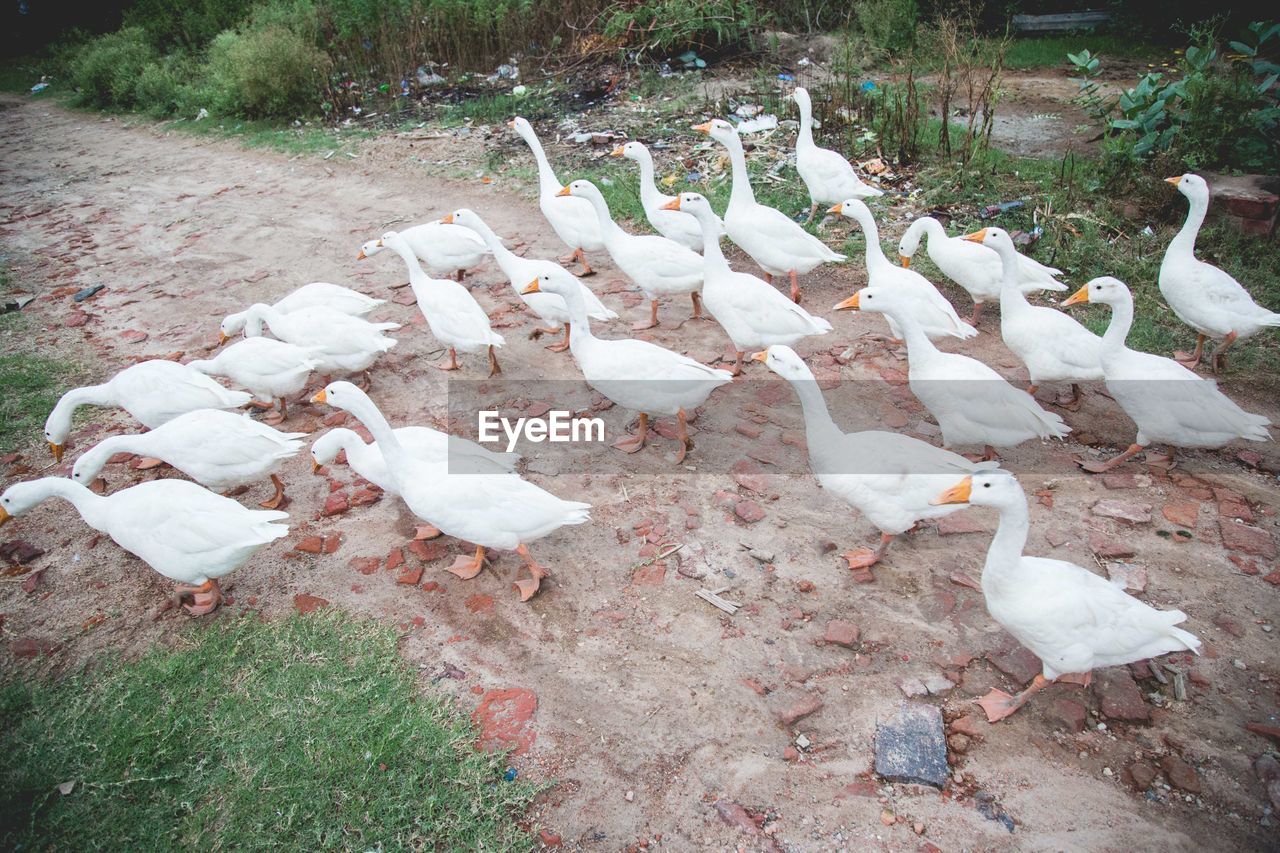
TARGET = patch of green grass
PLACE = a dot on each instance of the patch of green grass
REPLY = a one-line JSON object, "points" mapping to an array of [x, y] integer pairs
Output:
{"points": [[30, 383], [306, 139], [1050, 51], [305, 734]]}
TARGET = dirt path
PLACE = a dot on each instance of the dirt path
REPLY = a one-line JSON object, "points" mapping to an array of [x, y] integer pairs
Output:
{"points": [[656, 716]]}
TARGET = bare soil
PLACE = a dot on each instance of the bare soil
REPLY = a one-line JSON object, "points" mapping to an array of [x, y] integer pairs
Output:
{"points": [[653, 718]]}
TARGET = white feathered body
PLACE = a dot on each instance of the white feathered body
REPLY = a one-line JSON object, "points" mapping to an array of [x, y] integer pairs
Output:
{"points": [[459, 455], [339, 343], [269, 368]]}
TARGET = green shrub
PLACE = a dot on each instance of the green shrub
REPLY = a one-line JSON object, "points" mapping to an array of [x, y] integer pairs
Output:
{"points": [[188, 23], [269, 71], [663, 26], [107, 69], [889, 25], [171, 87]]}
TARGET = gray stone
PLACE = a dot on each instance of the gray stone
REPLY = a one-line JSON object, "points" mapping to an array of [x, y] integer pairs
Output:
{"points": [[912, 747]]}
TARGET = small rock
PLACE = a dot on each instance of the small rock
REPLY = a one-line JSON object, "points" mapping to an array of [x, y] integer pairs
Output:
{"points": [[938, 684], [306, 603], [913, 688], [841, 633], [409, 575], [798, 710], [310, 545], [1119, 480], [1120, 697], [1142, 775], [1068, 713], [1107, 548], [760, 556], [964, 521], [1182, 513], [959, 743], [1127, 576], [335, 504], [549, 839], [1127, 511], [18, 552], [365, 565], [1017, 662], [1249, 540], [748, 510], [912, 747], [1180, 774]]}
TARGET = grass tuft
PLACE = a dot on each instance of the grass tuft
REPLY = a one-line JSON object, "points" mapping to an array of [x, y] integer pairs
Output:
{"points": [[304, 734]]}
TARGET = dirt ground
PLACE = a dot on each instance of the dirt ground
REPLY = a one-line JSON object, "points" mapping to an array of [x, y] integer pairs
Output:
{"points": [[655, 719]]}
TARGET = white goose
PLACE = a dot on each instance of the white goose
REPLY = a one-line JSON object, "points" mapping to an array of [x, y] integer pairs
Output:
{"points": [[442, 248], [452, 314], [1070, 618], [973, 266], [499, 511], [317, 294], [752, 313], [340, 344], [272, 370], [971, 402], [219, 450], [152, 391], [889, 478], [661, 267], [519, 271], [1053, 346], [930, 308], [183, 531], [459, 455], [572, 219], [1203, 296], [1169, 403], [772, 239], [637, 375], [829, 177], [668, 223]]}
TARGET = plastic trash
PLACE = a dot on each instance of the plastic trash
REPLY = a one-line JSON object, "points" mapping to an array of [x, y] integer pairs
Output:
{"points": [[803, 62], [404, 87], [693, 177], [87, 292], [690, 60], [510, 775], [39, 87], [757, 125], [505, 72], [748, 110], [203, 114], [993, 210], [428, 78], [785, 76], [520, 91], [868, 86]]}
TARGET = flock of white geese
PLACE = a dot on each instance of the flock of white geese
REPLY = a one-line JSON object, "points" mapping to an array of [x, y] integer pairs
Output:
{"points": [[1070, 617]]}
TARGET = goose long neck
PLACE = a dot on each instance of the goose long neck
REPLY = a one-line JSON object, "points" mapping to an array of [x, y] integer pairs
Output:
{"points": [[59, 422], [547, 180], [874, 252], [1184, 243], [369, 415], [817, 417], [1010, 290], [416, 275], [713, 259], [918, 342], [806, 123], [608, 227], [741, 193], [92, 507], [649, 193], [1005, 552], [501, 253], [1118, 329]]}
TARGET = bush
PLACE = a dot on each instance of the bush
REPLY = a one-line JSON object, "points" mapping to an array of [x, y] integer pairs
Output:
{"points": [[168, 88], [107, 69], [268, 71], [668, 25], [191, 24], [889, 25]]}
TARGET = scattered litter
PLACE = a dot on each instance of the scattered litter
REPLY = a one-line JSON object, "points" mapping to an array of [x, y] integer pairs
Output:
{"points": [[428, 78], [510, 775], [993, 210], [992, 810], [67, 787], [912, 747], [505, 71], [756, 125], [690, 60], [1147, 232], [868, 86], [520, 91], [203, 114], [1026, 238], [713, 598], [16, 303], [748, 110], [874, 166], [785, 76], [87, 292], [803, 62], [693, 177], [40, 87]]}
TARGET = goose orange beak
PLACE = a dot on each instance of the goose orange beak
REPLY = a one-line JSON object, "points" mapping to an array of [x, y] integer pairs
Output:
{"points": [[315, 467], [674, 204], [957, 494], [705, 127], [57, 451], [1081, 295], [512, 124], [361, 256], [850, 304], [4, 516], [836, 209], [1174, 181], [531, 287], [760, 356], [906, 261], [379, 243], [320, 397], [976, 236], [563, 191], [616, 152], [447, 219], [223, 337]]}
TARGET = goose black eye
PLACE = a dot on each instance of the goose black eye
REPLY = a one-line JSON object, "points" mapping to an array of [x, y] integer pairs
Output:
{"points": [[986, 485]]}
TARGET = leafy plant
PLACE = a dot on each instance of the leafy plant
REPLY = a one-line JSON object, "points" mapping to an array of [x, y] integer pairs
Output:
{"points": [[662, 26], [106, 70], [267, 71]]}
